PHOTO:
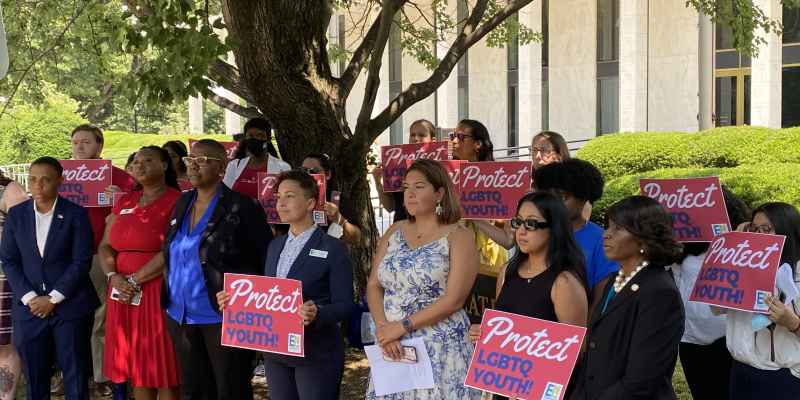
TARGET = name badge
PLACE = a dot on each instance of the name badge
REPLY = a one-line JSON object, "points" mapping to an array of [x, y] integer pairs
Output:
{"points": [[125, 211], [318, 253]]}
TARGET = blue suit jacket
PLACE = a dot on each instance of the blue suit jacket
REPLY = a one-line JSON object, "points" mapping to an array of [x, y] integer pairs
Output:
{"points": [[64, 266], [328, 282]]}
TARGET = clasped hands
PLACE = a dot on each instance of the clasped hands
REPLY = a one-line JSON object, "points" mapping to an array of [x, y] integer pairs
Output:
{"points": [[41, 306]]}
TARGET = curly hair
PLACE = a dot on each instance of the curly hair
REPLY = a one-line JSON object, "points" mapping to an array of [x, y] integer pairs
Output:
{"points": [[650, 224], [577, 177]]}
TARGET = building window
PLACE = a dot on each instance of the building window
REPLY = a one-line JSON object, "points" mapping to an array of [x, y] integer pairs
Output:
{"points": [[790, 104], [462, 11], [545, 61], [607, 66], [512, 78], [731, 80], [396, 133]]}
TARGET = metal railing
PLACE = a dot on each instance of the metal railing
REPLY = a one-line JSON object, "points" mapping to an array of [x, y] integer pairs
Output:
{"points": [[17, 172], [516, 153]]}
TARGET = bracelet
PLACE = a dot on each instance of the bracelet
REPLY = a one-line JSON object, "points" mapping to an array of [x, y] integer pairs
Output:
{"points": [[796, 330], [133, 283]]}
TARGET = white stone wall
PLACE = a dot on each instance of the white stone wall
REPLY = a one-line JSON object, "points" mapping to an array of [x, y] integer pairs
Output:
{"points": [[673, 81], [530, 77], [633, 41], [573, 68], [488, 90], [766, 81]]}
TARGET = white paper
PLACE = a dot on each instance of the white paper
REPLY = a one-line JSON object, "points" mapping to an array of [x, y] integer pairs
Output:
{"points": [[390, 377]]}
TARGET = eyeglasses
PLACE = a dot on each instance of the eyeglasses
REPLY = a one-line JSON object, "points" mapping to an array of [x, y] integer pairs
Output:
{"points": [[530, 224], [199, 160], [760, 228], [543, 150], [459, 135], [311, 171]]}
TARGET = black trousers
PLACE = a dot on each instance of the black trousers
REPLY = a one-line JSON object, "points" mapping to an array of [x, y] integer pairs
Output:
{"points": [[748, 383], [315, 381], [210, 371], [707, 369], [64, 341]]}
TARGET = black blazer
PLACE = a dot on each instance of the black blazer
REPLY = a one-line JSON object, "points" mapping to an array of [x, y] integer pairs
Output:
{"points": [[235, 240], [64, 266], [632, 349], [327, 277]]}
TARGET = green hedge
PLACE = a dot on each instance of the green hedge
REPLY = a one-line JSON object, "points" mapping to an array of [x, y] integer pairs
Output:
{"points": [[622, 154], [755, 184], [119, 145]]}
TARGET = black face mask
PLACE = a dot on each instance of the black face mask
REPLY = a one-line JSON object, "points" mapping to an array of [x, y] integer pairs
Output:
{"points": [[255, 147]]}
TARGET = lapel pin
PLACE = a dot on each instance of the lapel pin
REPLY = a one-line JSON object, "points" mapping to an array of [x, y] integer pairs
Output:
{"points": [[635, 287]]}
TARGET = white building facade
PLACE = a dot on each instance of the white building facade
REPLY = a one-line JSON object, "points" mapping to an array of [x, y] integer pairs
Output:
{"points": [[604, 66]]}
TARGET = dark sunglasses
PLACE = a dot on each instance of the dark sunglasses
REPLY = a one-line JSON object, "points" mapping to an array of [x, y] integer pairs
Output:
{"points": [[311, 171], [459, 135], [530, 224]]}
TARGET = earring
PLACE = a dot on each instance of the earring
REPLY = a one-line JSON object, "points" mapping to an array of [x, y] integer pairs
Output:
{"points": [[641, 251], [439, 210]]}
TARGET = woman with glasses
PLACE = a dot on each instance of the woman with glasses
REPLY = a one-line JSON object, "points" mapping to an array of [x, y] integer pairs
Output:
{"points": [[212, 231], [341, 217], [420, 131], [766, 352], [635, 330], [548, 147], [137, 348], [546, 278]]}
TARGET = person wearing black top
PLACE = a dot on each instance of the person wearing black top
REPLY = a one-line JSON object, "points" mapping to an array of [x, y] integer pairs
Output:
{"points": [[636, 328], [546, 278]]}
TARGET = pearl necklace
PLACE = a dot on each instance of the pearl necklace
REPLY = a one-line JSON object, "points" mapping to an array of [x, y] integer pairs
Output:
{"points": [[622, 280]]}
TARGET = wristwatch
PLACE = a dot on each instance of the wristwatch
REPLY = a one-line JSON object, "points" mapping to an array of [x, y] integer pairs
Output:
{"points": [[407, 325]]}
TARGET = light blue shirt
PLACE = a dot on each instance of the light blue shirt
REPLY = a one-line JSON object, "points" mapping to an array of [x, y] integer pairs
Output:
{"points": [[291, 250]]}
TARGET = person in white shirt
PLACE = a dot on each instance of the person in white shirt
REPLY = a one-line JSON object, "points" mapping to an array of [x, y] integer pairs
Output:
{"points": [[705, 359], [767, 354], [242, 173]]}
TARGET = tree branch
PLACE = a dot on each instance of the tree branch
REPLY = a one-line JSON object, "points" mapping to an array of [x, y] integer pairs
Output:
{"points": [[247, 112], [388, 10], [471, 34], [360, 56], [227, 76]]}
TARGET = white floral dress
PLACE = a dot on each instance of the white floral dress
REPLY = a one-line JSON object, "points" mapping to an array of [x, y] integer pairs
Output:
{"points": [[413, 279]]}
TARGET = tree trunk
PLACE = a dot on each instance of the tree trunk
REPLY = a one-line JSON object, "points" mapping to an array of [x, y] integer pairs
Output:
{"points": [[284, 63]]}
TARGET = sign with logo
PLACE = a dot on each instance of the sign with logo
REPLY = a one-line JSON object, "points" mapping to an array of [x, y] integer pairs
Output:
{"points": [[393, 160], [696, 205], [491, 190], [266, 196], [85, 182]]}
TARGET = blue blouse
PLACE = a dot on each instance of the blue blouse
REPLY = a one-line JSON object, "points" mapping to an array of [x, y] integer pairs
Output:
{"points": [[189, 303]]}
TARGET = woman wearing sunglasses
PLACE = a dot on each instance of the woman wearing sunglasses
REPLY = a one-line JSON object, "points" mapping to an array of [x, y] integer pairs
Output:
{"points": [[212, 231], [341, 216], [766, 351], [546, 278]]}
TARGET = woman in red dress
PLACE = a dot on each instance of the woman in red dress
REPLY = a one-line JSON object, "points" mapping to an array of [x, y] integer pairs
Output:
{"points": [[138, 347]]}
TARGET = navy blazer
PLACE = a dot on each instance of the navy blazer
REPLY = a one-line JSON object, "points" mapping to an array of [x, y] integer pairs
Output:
{"points": [[64, 266], [328, 281]]}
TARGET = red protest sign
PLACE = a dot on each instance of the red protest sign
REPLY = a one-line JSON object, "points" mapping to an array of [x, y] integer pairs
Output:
{"points": [[393, 160], [524, 357], [230, 147], [491, 190], [739, 271], [266, 196], [453, 168], [696, 204], [263, 314], [85, 182]]}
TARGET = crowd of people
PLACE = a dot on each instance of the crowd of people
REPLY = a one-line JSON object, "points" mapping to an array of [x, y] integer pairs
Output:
{"points": [[131, 296]]}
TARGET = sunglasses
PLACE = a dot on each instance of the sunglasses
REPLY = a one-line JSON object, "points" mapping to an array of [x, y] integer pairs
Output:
{"points": [[200, 160], [311, 171], [459, 135], [760, 228], [530, 224]]}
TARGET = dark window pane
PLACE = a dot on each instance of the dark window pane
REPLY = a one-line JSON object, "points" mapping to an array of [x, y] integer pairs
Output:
{"points": [[724, 37], [545, 24], [727, 59], [791, 25], [791, 97], [747, 100], [545, 106], [725, 95], [607, 30], [791, 54], [608, 105], [513, 117]]}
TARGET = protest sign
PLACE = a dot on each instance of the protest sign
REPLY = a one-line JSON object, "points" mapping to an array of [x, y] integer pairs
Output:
{"points": [[263, 314], [739, 271], [266, 196], [696, 205], [230, 147], [524, 357], [85, 182], [453, 168], [393, 160], [491, 190]]}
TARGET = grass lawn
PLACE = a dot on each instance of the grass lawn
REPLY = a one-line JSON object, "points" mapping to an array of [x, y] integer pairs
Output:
{"points": [[119, 145]]}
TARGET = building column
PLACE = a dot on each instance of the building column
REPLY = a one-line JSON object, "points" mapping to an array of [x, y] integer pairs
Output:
{"points": [[766, 73], [573, 68], [196, 115], [233, 121], [447, 94], [633, 46], [530, 77], [706, 73]]}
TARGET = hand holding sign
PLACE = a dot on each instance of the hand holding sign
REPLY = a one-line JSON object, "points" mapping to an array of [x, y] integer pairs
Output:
{"points": [[491, 190], [393, 160]]}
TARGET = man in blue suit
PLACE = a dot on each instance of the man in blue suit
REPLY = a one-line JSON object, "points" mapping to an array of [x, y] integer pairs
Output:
{"points": [[46, 254]]}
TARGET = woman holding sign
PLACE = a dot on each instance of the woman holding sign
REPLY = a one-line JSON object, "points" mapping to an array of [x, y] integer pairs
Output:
{"points": [[546, 278], [634, 332], [766, 351], [422, 274], [341, 217], [212, 231], [137, 348], [323, 266]]}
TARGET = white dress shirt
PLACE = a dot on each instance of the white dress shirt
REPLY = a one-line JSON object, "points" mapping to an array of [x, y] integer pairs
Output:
{"points": [[236, 167], [43, 223], [702, 326]]}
